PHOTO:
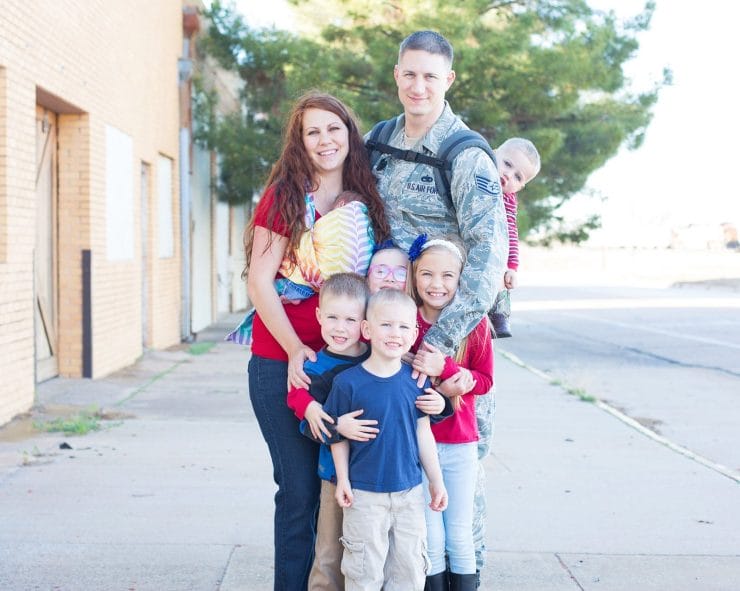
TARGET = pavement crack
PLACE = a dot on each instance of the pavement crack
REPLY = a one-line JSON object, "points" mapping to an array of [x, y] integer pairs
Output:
{"points": [[570, 573], [226, 566], [148, 383], [638, 351], [629, 421], [678, 363]]}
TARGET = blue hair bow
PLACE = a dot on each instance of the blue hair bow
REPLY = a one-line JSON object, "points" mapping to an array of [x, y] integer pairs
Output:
{"points": [[417, 246]]}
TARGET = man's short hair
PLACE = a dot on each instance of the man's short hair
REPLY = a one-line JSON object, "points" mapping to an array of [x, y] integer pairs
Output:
{"points": [[429, 41], [389, 298], [350, 285]]}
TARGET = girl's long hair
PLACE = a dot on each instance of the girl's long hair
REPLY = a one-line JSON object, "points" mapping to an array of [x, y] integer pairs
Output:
{"points": [[456, 401], [294, 174]]}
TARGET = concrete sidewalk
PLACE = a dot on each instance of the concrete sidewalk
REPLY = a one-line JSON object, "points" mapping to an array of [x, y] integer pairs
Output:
{"points": [[175, 491]]}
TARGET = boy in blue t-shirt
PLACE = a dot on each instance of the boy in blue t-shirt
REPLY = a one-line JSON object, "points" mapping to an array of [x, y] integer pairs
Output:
{"points": [[342, 301], [379, 480]]}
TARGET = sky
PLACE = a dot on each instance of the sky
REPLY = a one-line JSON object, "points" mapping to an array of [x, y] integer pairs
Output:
{"points": [[683, 173]]}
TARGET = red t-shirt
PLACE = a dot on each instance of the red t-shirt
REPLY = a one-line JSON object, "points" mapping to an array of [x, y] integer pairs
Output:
{"points": [[302, 316]]}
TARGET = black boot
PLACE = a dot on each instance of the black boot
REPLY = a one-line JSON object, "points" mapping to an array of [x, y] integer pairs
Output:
{"points": [[462, 582], [499, 315], [437, 582], [500, 324]]}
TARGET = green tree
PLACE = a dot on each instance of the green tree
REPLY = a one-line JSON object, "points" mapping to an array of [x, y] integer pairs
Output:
{"points": [[549, 70], [274, 66]]}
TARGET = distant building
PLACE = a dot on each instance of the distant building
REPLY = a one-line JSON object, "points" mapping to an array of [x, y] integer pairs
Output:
{"points": [[730, 235], [111, 239], [216, 249], [704, 236]]}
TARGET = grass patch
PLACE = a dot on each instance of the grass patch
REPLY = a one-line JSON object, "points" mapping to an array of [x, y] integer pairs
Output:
{"points": [[582, 394], [79, 424], [200, 348], [143, 387], [33, 458], [34, 453]]}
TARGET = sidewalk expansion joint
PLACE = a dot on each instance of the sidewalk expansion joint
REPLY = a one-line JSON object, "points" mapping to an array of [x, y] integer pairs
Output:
{"points": [[570, 573], [629, 421], [148, 383], [227, 566]]}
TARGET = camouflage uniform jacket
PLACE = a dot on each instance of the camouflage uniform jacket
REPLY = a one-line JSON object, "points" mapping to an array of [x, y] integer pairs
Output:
{"points": [[475, 215]]}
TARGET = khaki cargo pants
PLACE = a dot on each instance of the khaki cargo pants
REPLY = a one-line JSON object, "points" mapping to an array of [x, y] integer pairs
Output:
{"points": [[385, 538]]}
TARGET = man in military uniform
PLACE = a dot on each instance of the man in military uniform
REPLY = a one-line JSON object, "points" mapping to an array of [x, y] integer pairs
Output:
{"points": [[474, 212]]}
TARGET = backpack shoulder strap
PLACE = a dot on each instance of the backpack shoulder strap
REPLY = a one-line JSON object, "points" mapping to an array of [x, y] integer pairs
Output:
{"points": [[449, 150], [382, 130], [377, 144], [379, 136]]}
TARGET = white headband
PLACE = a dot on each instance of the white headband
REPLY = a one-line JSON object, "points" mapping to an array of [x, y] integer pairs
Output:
{"points": [[444, 244]]}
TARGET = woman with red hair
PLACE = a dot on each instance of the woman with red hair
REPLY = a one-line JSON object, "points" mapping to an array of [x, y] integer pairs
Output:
{"points": [[323, 155]]}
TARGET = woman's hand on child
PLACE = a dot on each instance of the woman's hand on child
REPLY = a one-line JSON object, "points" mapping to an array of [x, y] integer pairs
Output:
{"points": [[350, 427], [343, 494], [438, 493], [429, 360], [315, 417], [297, 378], [461, 383], [430, 403], [510, 280]]}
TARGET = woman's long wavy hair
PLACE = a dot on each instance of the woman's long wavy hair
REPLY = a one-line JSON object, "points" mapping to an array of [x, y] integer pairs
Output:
{"points": [[294, 173]]}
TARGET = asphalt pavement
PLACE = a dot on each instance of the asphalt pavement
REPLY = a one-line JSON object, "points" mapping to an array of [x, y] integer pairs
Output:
{"points": [[174, 492]]}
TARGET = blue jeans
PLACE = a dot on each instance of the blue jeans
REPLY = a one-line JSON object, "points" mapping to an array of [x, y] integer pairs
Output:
{"points": [[451, 530], [294, 461]]}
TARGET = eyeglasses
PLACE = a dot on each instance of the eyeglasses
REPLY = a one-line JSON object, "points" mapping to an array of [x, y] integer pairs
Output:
{"points": [[384, 271]]}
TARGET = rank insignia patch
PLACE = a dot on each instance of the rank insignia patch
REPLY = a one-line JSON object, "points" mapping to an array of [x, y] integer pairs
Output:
{"points": [[488, 186]]}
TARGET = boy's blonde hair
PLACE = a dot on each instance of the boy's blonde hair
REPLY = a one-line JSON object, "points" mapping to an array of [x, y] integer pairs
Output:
{"points": [[527, 148], [350, 285], [389, 297]]}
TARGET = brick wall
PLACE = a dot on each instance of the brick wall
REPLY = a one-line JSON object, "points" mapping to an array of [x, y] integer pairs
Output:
{"points": [[3, 166], [74, 235], [17, 192], [96, 63]]}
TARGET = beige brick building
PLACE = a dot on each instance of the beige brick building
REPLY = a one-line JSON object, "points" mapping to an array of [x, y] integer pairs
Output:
{"points": [[91, 139]]}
